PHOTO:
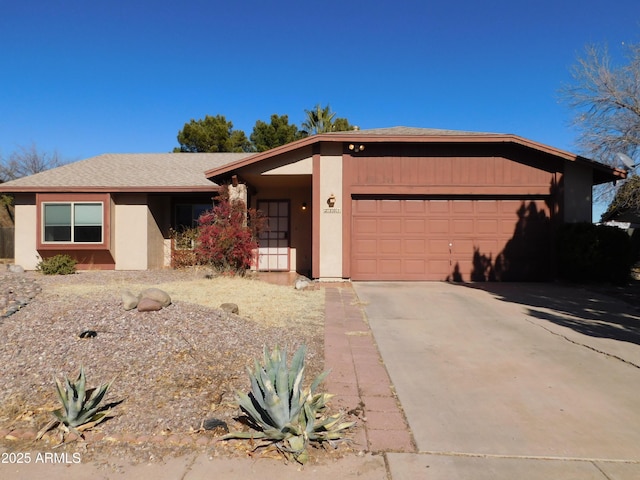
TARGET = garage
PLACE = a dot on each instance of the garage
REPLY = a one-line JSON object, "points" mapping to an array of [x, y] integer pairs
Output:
{"points": [[406, 203], [456, 239]]}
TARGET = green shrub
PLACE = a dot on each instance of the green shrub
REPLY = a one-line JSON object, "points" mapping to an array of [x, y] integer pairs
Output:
{"points": [[57, 265], [589, 253]]}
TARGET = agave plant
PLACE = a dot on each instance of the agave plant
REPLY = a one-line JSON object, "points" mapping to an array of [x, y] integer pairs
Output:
{"points": [[282, 412], [80, 406]]}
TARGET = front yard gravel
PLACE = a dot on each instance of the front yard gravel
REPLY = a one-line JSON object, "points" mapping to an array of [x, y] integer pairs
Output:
{"points": [[172, 369]]}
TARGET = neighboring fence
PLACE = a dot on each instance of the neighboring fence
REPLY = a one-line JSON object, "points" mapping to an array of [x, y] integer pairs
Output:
{"points": [[7, 243]]}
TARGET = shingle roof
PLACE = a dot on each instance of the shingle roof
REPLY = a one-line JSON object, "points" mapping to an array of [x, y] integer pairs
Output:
{"points": [[410, 131], [129, 171]]}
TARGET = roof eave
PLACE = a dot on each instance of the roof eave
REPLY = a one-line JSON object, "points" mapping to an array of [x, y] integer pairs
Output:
{"points": [[142, 189], [613, 173]]}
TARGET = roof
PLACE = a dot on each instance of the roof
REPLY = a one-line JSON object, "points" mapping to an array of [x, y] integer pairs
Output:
{"points": [[196, 172], [132, 172], [602, 173], [410, 131]]}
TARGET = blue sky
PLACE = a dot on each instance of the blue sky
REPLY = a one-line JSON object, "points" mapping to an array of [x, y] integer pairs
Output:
{"points": [[85, 78]]}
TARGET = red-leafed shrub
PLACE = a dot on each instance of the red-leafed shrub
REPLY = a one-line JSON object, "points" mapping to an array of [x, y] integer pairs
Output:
{"points": [[227, 238]]}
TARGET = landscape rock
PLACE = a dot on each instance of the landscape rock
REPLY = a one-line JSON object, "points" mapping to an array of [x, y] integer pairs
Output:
{"points": [[149, 305], [302, 283], [129, 300], [15, 268], [230, 308], [157, 295]]}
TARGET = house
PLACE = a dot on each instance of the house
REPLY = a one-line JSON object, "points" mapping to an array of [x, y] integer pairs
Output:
{"points": [[113, 211], [384, 204]]}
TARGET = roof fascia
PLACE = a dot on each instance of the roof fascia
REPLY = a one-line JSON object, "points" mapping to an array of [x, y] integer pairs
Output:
{"points": [[364, 138], [151, 189]]}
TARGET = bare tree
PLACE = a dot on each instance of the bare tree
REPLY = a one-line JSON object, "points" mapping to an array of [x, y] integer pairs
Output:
{"points": [[27, 161], [606, 103]]}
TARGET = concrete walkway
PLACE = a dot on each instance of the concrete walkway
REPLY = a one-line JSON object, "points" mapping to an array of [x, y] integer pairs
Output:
{"points": [[510, 381]]}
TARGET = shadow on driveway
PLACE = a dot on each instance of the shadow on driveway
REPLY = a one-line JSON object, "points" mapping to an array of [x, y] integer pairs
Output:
{"points": [[603, 312]]}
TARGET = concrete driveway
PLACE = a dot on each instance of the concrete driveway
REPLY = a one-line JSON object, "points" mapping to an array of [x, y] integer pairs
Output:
{"points": [[537, 374]]}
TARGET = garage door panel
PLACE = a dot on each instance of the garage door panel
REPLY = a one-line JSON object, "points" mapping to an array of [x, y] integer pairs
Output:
{"points": [[390, 225], [489, 247], [415, 267], [487, 226], [366, 266], [365, 206], [462, 246], [365, 225], [438, 268], [366, 246], [438, 225], [415, 246], [390, 265], [391, 206], [462, 206], [415, 225], [438, 245], [462, 226], [435, 207], [390, 245], [441, 239], [487, 206], [415, 206]]}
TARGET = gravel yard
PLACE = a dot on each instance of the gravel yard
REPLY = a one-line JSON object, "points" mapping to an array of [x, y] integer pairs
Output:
{"points": [[172, 369]]}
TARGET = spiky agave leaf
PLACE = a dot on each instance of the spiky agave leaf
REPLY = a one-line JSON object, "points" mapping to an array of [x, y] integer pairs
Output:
{"points": [[285, 414], [76, 409]]}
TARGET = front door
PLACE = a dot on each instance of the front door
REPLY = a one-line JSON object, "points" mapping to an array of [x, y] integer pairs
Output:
{"points": [[273, 250]]}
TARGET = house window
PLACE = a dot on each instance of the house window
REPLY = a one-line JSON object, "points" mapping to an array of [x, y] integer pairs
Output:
{"points": [[187, 214], [73, 222]]}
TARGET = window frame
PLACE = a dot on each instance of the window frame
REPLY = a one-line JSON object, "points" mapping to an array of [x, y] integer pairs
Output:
{"points": [[103, 200], [72, 224]]}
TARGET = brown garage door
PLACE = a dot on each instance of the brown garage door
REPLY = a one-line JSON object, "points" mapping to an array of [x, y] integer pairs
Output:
{"points": [[460, 240]]}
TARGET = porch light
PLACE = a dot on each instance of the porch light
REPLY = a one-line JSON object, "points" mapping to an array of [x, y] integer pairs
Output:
{"points": [[304, 206], [331, 201], [356, 148]]}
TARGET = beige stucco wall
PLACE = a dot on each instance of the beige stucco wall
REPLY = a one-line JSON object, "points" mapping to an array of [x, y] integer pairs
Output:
{"points": [[577, 193], [303, 166], [130, 232], [330, 218], [156, 220], [26, 254]]}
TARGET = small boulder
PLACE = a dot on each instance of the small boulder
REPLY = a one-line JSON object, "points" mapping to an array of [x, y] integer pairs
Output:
{"points": [[149, 305], [157, 295], [230, 308], [129, 300], [15, 268], [302, 283]]}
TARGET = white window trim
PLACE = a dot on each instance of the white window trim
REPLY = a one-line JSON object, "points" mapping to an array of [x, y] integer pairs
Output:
{"points": [[72, 242]]}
